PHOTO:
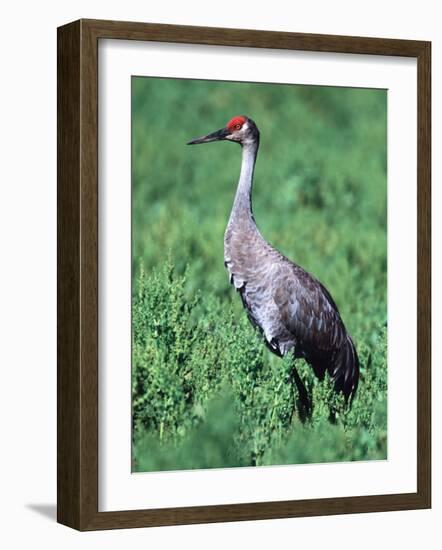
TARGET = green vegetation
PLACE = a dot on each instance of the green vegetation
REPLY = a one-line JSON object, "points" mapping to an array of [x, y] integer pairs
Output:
{"points": [[206, 391]]}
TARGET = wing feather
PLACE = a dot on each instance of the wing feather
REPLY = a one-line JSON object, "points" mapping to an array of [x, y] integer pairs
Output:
{"points": [[308, 311]]}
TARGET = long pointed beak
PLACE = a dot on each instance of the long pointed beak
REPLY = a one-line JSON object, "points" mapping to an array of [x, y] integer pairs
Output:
{"points": [[215, 136]]}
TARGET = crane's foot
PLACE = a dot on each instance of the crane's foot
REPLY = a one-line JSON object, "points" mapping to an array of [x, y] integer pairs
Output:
{"points": [[303, 404]]}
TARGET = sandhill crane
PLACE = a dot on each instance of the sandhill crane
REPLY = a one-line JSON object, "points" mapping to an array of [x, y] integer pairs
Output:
{"points": [[293, 310]]}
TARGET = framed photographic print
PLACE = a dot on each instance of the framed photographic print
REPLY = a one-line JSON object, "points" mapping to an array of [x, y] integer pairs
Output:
{"points": [[243, 274]]}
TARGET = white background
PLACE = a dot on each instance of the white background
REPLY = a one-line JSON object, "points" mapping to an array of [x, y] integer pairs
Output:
{"points": [[118, 489], [27, 233]]}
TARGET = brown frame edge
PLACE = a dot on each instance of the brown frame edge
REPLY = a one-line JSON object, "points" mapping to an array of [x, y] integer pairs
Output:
{"points": [[77, 279]]}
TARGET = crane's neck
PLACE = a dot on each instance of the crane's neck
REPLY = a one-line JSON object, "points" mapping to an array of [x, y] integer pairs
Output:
{"points": [[242, 205]]}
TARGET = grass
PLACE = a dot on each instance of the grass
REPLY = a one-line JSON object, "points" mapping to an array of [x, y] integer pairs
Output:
{"points": [[206, 391]]}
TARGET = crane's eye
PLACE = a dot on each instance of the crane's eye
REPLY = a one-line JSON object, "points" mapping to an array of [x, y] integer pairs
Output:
{"points": [[237, 126]]}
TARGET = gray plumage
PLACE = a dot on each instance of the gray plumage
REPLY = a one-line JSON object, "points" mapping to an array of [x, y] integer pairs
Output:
{"points": [[293, 310]]}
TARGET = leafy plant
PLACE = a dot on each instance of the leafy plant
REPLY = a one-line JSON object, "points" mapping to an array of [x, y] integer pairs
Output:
{"points": [[206, 392]]}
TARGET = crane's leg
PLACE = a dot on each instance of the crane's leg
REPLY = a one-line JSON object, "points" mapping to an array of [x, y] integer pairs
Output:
{"points": [[304, 404]]}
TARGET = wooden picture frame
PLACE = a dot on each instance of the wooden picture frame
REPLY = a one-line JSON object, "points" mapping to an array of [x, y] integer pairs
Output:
{"points": [[77, 462]]}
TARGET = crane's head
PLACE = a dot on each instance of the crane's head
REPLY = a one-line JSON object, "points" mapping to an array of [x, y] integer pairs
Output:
{"points": [[240, 128]]}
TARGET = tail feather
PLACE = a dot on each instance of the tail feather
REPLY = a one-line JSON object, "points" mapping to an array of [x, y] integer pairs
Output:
{"points": [[344, 369]]}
